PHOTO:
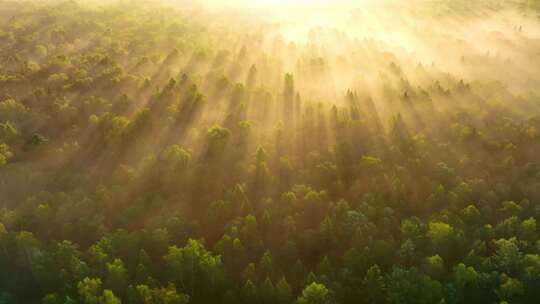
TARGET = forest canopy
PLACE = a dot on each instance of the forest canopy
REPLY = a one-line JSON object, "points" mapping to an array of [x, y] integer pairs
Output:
{"points": [[275, 152]]}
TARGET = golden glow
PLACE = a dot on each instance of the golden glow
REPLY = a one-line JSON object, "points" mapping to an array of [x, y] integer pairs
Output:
{"points": [[291, 4]]}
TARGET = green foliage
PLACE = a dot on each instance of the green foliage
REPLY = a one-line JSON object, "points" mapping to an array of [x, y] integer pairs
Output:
{"points": [[371, 161], [283, 292], [511, 289], [434, 266], [508, 257], [116, 278], [89, 290], [5, 154], [11, 110], [108, 297], [374, 285], [218, 134], [464, 275], [177, 156], [440, 233], [153, 152], [193, 268], [166, 295], [411, 286], [315, 293]]}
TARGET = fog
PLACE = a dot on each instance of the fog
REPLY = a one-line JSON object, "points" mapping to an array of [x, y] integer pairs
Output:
{"points": [[492, 40], [205, 151]]}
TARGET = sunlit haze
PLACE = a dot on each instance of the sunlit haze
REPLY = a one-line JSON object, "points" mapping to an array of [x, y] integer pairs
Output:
{"points": [[269, 152]]}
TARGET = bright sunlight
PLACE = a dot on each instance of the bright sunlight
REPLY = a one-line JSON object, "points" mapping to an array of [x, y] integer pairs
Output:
{"points": [[272, 152]]}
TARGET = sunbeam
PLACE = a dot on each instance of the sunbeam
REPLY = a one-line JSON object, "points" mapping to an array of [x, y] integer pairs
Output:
{"points": [[271, 151]]}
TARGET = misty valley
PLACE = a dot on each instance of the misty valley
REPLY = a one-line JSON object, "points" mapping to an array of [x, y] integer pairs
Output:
{"points": [[274, 152]]}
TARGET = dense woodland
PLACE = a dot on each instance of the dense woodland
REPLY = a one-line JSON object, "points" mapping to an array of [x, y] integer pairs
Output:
{"points": [[171, 154]]}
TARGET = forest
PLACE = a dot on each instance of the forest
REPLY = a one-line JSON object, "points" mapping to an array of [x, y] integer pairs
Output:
{"points": [[273, 152]]}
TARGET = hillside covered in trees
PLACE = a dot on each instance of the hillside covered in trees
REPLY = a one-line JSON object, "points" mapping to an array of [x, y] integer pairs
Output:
{"points": [[362, 152]]}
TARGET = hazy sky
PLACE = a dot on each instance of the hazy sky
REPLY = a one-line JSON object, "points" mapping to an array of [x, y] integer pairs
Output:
{"points": [[289, 3]]}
